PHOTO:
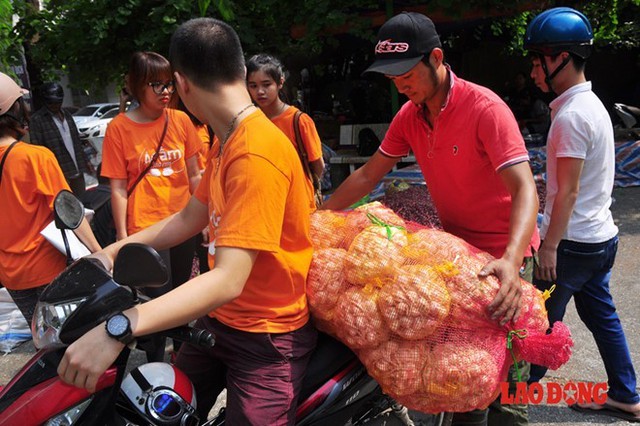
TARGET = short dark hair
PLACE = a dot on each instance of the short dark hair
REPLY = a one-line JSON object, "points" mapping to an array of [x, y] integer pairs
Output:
{"points": [[144, 68], [12, 121], [207, 51], [578, 62]]}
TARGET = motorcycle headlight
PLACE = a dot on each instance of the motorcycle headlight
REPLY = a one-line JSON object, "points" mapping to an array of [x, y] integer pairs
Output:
{"points": [[48, 320]]}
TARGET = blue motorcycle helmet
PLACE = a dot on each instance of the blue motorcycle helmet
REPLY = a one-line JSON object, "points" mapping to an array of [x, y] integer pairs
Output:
{"points": [[557, 30]]}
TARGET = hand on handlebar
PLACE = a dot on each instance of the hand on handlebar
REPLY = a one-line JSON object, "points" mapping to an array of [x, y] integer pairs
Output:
{"points": [[103, 257], [87, 358]]}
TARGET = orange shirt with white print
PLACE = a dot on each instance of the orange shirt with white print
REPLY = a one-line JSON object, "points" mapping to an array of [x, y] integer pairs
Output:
{"points": [[309, 136], [257, 200], [128, 148], [31, 179]]}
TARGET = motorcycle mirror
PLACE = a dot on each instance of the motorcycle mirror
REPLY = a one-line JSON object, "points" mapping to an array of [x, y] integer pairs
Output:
{"points": [[68, 210], [139, 265]]}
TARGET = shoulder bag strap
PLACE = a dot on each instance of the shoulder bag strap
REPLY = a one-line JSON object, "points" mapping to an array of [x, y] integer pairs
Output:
{"points": [[4, 157], [302, 152], [155, 156]]}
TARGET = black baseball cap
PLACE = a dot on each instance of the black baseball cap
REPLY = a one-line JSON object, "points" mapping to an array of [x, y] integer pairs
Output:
{"points": [[402, 42]]}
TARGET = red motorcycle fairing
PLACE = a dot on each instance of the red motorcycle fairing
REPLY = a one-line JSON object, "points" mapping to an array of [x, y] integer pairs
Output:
{"points": [[321, 394], [51, 397]]}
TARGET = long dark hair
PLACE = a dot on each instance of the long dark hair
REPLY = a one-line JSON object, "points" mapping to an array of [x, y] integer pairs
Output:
{"points": [[271, 66]]}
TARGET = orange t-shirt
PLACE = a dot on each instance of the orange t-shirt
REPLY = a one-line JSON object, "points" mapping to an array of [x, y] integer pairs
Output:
{"points": [[203, 134], [257, 200], [308, 131], [31, 179], [127, 150], [309, 136]]}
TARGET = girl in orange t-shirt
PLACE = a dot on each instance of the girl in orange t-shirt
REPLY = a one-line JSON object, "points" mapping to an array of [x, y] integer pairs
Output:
{"points": [[265, 80], [30, 180], [130, 146]]}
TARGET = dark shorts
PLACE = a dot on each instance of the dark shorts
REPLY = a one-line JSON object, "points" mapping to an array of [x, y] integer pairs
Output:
{"points": [[262, 372]]}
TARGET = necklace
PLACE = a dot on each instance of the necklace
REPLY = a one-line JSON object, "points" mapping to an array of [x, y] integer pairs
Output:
{"points": [[224, 140], [284, 105]]}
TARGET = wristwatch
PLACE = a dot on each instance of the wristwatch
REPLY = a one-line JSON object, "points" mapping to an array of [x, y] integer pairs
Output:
{"points": [[119, 327]]}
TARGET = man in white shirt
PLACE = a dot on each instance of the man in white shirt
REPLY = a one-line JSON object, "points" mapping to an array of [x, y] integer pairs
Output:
{"points": [[579, 236]]}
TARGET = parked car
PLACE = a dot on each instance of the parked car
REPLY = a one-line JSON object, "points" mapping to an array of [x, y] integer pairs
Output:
{"points": [[92, 112], [92, 134], [96, 127]]}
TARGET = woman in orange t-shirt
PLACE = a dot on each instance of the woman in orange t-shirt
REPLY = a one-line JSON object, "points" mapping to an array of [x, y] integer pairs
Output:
{"points": [[30, 180], [265, 80], [168, 177]]}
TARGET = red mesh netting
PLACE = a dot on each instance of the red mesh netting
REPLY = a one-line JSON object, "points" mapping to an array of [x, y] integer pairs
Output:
{"points": [[408, 301]]}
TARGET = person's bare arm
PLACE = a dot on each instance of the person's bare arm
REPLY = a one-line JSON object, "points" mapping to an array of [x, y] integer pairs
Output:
{"points": [[360, 182], [87, 358], [524, 209], [167, 233], [317, 167], [119, 201], [568, 176], [85, 234], [193, 171]]}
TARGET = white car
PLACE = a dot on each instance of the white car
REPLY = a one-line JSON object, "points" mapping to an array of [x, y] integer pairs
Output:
{"points": [[92, 112], [95, 128], [93, 132]]}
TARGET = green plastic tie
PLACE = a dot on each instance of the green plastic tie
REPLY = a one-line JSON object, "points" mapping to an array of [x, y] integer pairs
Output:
{"points": [[520, 334], [378, 222]]}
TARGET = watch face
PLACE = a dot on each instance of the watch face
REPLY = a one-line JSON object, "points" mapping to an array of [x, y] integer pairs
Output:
{"points": [[118, 325]]}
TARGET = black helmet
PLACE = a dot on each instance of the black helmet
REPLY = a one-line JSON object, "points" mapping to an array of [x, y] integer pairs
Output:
{"points": [[558, 30], [52, 93]]}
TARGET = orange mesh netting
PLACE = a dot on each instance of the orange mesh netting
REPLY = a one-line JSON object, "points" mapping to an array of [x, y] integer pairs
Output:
{"points": [[408, 301]]}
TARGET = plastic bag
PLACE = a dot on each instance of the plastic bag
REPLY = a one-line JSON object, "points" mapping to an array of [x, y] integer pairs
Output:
{"points": [[13, 327]]}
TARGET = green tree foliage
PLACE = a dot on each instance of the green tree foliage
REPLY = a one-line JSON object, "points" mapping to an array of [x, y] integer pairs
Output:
{"points": [[9, 44], [92, 39]]}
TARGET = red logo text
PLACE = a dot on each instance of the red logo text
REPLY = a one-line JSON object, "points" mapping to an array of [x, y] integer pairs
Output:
{"points": [[554, 393], [387, 46]]}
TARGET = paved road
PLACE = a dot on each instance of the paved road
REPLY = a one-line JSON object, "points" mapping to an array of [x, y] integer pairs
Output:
{"points": [[585, 364]]}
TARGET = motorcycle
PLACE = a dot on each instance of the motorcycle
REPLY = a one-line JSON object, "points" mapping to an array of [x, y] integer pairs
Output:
{"points": [[628, 120], [78, 299], [336, 389]]}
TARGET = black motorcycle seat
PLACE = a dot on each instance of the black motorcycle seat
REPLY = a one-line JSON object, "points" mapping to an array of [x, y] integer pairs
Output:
{"points": [[329, 357]]}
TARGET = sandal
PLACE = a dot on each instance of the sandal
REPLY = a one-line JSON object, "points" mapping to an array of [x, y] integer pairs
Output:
{"points": [[607, 410]]}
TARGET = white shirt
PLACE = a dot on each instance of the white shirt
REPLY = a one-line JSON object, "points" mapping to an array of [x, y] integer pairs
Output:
{"points": [[581, 128], [65, 132]]}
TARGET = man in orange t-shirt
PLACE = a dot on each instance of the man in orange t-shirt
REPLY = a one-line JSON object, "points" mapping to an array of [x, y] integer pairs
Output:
{"points": [[253, 198], [30, 180]]}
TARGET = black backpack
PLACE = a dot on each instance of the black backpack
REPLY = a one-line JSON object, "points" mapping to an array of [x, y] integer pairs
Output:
{"points": [[368, 142]]}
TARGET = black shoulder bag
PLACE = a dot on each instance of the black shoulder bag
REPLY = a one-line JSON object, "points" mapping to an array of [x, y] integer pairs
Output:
{"points": [[4, 157]]}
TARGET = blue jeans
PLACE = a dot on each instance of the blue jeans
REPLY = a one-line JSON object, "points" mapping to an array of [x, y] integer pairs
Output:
{"points": [[583, 272]]}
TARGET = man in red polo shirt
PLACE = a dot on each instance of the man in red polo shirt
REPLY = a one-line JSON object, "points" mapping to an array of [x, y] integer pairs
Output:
{"points": [[472, 155]]}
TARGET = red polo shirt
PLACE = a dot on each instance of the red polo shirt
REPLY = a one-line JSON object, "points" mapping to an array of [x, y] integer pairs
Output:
{"points": [[474, 136]]}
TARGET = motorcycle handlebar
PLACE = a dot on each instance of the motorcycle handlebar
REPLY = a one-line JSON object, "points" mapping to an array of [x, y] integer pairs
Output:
{"points": [[195, 336]]}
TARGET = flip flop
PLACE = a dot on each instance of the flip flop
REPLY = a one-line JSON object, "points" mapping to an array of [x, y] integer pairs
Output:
{"points": [[608, 410]]}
